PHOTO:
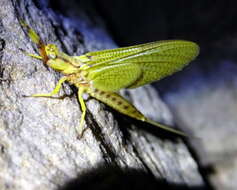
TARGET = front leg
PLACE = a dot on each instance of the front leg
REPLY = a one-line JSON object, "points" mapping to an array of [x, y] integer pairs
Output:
{"points": [[83, 109], [32, 55], [55, 90]]}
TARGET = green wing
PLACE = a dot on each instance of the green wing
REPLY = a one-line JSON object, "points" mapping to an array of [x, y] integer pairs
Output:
{"points": [[110, 56], [135, 66], [114, 77]]}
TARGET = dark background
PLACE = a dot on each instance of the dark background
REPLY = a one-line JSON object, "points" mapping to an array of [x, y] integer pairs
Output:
{"points": [[210, 23]]}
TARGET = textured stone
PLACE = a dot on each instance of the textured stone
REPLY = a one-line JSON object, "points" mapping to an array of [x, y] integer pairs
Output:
{"points": [[203, 100], [39, 148]]}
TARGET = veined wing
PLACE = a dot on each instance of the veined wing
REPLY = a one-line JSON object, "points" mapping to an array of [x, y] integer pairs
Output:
{"points": [[110, 56], [114, 77], [135, 66], [160, 62]]}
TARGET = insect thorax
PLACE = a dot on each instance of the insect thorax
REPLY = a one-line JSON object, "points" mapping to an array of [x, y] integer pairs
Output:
{"points": [[78, 79]]}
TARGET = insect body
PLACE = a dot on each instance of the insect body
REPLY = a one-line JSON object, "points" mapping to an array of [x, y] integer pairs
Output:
{"points": [[102, 73]]}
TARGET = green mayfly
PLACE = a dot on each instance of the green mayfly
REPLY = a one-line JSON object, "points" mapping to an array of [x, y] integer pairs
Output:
{"points": [[102, 73]]}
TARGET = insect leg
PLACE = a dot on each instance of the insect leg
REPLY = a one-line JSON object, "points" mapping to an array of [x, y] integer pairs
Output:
{"points": [[34, 55], [55, 90], [83, 108]]}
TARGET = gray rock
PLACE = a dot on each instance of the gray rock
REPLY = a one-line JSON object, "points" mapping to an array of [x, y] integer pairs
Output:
{"points": [[203, 101], [39, 148]]}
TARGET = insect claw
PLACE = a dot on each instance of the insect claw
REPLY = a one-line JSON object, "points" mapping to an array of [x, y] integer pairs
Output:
{"points": [[25, 96], [81, 132], [80, 135]]}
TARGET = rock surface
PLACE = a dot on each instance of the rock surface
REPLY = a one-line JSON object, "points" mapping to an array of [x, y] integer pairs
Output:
{"points": [[208, 107], [39, 148]]}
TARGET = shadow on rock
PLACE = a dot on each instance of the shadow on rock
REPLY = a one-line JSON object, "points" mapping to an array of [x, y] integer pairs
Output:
{"points": [[110, 177]]}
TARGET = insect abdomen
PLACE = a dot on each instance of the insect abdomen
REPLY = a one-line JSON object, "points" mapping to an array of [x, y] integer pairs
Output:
{"points": [[117, 102]]}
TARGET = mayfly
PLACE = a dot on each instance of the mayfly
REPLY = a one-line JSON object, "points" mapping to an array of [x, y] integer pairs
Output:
{"points": [[102, 73]]}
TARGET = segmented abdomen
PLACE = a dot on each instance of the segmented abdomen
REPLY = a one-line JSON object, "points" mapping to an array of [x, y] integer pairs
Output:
{"points": [[117, 102]]}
